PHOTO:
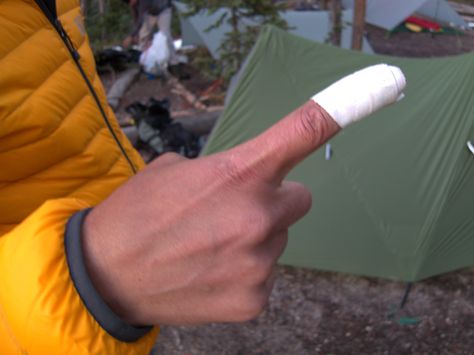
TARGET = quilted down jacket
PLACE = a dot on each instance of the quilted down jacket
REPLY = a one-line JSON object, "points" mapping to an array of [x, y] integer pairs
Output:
{"points": [[61, 152]]}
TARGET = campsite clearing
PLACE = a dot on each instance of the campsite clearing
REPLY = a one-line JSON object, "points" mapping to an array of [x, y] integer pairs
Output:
{"points": [[314, 313]]}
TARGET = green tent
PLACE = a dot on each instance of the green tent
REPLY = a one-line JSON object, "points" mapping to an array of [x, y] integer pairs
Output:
{"points": [[396, 199]]}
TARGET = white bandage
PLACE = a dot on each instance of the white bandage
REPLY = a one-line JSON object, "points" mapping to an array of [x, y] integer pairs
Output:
{"points": [[362, 93]]}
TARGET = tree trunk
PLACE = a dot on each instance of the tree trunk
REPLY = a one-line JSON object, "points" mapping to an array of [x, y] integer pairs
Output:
{"points": [[358, 24], [336, 14], [234, 19], [84, 7], [102, 13]]}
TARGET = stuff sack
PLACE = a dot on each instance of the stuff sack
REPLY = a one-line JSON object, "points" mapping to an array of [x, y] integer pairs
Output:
{"points": [[156, 57]]}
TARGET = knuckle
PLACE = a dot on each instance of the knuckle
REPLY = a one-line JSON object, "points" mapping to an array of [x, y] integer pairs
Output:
{"points": [[279, 247], [299, 203], [306, 126], [260, 224], [229, 170], [263, 223], [253, 306], [251, 299], [305, 198], [234, 170], [258, 269]]}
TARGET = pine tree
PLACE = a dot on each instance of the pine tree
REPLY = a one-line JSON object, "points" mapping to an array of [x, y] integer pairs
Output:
{"points": [[245, 18], [107, 22]]}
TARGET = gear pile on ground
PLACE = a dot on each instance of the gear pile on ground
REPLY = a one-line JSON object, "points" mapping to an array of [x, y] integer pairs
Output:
{"points": [[157, 132], [116, 58]]}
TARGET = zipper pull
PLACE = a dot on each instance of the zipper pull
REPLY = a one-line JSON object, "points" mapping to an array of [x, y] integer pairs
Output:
{"points": [[67, 40]]}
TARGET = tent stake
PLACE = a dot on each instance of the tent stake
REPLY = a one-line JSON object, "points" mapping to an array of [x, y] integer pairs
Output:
{"points": [[405, 296]]}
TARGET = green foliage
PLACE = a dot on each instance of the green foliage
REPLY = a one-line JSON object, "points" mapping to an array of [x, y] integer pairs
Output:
{"points": [[108, 28], [245, 18], [201, 59]]}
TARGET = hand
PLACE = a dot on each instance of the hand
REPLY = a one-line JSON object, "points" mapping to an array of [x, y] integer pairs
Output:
{"points": [[127, 42], [196, 241]]}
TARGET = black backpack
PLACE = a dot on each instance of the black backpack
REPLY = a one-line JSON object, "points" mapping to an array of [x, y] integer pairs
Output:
{"points": [[155, 7]]}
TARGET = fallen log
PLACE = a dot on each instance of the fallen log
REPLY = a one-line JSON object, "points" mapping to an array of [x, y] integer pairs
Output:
{"points": [[200, 123], [180, 89], [120, 86], [191, 113]]}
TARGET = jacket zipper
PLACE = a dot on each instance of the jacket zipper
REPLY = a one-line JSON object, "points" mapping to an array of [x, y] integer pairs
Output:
{"points": [[67, 40], [76, 57]]}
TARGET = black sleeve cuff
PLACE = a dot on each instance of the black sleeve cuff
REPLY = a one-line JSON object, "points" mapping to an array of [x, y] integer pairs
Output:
{"points": [[94, 303]]}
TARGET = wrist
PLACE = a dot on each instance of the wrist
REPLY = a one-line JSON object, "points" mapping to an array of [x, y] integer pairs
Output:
{"points": [[90, 285], [100, 268]]}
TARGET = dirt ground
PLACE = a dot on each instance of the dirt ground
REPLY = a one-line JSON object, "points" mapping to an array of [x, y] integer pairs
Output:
{"points": [[144, 88], [315, 312], [422, 45], [312, 312]]}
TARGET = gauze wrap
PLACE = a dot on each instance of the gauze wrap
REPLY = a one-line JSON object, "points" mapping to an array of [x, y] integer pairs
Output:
{"points": [[362, 93]]}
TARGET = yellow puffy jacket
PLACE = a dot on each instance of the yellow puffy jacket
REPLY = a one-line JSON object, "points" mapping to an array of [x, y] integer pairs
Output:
{"points": [[57, 157]]}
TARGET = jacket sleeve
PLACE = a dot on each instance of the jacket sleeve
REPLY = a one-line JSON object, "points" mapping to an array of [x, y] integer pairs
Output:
{"points": [[45, 310]]}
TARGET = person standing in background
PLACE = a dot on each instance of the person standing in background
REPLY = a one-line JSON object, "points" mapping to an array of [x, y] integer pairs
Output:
{"points": [[148, 15]]}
